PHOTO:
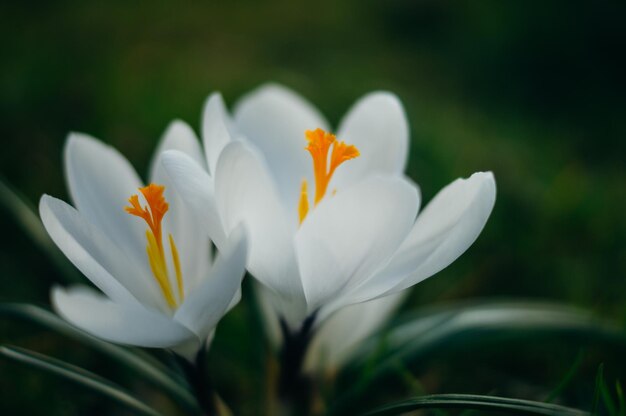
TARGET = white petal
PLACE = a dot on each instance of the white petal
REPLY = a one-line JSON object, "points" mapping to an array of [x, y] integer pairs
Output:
{"points": [[378, 127], [449, 224], [196, 188], [124, 324], [99, 259], [206, 305], [274, 119], [192, 242], [339, 336], [347, 236], [217, 129], [245, 193], [177, 136], [100, 181]]}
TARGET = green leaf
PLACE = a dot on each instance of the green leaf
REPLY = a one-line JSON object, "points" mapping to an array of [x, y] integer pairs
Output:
{"points": [[620, 399], [79, 376], [140, 363], [25, 215], [598, 389], [416, 336], [475, 402], [426, 332], [567, 379]]}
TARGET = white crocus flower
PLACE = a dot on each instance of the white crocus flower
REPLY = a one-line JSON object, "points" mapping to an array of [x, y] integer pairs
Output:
{"points": [[141, 248], [355, 236]]}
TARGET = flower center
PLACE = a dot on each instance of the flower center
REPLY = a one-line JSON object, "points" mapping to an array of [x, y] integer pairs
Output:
{"points": [[324, 166], [153, 215]]}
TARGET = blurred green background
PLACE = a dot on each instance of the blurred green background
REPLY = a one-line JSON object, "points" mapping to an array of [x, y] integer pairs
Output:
{"points": [[534, 91]]}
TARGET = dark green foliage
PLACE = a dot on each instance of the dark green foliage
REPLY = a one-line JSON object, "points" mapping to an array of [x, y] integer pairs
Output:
{"points": [[531, 90]]}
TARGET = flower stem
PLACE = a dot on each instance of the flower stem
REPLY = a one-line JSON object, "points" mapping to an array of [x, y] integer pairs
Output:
{"points": [[294, 388], [201, 384]]}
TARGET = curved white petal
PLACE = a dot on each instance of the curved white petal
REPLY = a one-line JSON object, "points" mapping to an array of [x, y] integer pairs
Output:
{"points": [[124, 324], [274, 119], [339, 336], [192, 242], [177, 136], [245, 193], [98, 258], [196, 188], [205, 306], [347, 236], [449, 224], [100, 182], [378, 127], [217, 129]]}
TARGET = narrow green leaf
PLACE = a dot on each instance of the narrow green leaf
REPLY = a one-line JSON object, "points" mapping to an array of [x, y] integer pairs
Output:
{"points": [[140, 363], [475, 402], [620, 399], [420, 334], [452, 328], [598, 389], [567, 379], [607, 400], [79, 376], [25, 215]]}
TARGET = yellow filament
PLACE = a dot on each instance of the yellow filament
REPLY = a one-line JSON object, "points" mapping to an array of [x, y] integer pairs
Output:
{"points": [[303, 206], [153, 215], [159, 269], [320, 143], [179, 273]]}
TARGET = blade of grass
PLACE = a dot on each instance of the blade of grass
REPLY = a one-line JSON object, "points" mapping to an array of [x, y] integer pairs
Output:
{"points": [[620, 399], [475, 402], [79, 376], [607, 400], [602, 395], [597, 390], [567, 379], [140, 363], [26, 216]]}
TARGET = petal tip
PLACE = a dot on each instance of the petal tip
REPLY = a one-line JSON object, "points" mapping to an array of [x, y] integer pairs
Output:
{"points": [[214, 98], [214, 105], [176, 125], [268, 94], [75, 139], [486, 178]]}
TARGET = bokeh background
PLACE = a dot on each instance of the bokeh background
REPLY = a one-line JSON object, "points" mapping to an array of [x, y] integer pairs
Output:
{"points": [[534, 91]]}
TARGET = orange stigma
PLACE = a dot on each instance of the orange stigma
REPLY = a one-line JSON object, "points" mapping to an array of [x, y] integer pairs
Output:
{"points": [[153, 215], [324, 167]]}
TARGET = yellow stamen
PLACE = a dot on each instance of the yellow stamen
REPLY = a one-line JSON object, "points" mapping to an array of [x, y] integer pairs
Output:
{"points": [[159, 269], [303, 206], [153, 215], [319, 146], [179, 273]]}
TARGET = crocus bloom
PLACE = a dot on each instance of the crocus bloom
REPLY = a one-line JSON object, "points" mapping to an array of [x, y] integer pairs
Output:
{"points": [[355, 237], [140, 247]]}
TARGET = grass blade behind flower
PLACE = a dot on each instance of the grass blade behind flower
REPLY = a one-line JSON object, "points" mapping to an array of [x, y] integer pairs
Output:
{"points": [[141, 364], [26, 216], [475, 402], [79, 376]]}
